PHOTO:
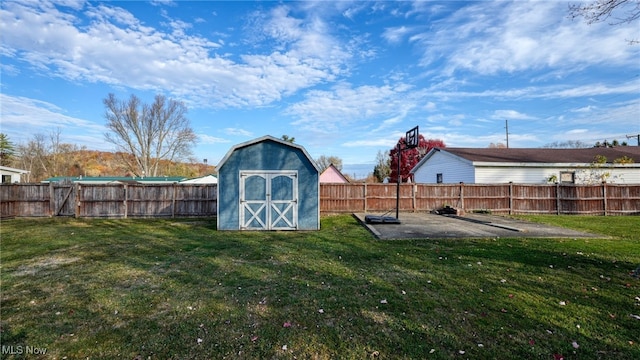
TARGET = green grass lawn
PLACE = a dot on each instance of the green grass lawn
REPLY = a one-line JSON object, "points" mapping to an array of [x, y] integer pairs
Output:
{"points": [[179, 289]]}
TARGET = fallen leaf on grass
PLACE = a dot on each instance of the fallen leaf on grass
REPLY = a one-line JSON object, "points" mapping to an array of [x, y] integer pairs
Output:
{"points": [[321, 311], [284, 347], [558, 357], [286, 324], [383, 301], [199, 341], [254, 338], [562, 303], [635, 317], [575, 345]]}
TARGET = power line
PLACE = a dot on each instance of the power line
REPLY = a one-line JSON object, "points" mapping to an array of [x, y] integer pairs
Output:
{"points": [[632, 136]]}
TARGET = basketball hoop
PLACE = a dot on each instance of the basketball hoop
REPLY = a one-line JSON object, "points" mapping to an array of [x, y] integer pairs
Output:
{"points": [[411, 138]]}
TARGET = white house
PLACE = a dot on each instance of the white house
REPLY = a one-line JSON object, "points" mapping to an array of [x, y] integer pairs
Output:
{"points": [[529, 166], [11, 175], [208, 179]]}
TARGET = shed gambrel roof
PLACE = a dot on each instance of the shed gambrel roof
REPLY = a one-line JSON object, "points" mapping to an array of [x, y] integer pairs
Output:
{"points": [[267, 138]]}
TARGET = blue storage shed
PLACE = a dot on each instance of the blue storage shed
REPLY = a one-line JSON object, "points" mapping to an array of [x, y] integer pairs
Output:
{"points": [[268, 184]]}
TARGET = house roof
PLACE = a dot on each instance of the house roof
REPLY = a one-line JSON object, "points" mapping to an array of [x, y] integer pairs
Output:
{"points": [[116, 179], [537, 155], [13, 170], [545, 155], [267, 138], [332, 175], [208, 179]]}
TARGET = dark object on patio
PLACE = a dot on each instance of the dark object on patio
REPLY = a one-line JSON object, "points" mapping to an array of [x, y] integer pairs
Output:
{"points": [[375, 219], [448, 210]]}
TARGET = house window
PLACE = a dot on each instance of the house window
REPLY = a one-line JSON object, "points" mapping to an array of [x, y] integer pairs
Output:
{"points": [[567, 177], [6, 179], [439, 178]]}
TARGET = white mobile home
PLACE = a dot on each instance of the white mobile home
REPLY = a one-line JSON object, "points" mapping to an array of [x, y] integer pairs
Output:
{"points": [[11, 175]]}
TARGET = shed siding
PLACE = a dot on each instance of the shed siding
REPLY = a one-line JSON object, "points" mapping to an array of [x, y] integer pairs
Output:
{"points": [[269, 156], [452, 168]]}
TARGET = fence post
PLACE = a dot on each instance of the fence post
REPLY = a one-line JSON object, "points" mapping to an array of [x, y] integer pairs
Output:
{"points": [[510, 197], [413, 196], [365, 197], [126, 196], [173, 202], [557, 198], [52, 205], [462, 196], [604, 197], [78, 199]]}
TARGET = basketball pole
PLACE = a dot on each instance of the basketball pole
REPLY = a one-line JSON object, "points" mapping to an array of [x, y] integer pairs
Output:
{"points": [[398, 184], [415, 139]]}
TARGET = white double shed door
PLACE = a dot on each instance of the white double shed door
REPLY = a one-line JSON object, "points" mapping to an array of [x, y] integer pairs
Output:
{"points": [[268, 200]]}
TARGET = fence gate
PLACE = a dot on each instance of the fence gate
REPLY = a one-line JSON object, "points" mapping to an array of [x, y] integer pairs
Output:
{"points": [[64, 199], [268, 200]]}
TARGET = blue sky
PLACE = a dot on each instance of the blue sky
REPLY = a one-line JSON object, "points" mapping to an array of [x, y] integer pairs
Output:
{"points": [[345, 78]]}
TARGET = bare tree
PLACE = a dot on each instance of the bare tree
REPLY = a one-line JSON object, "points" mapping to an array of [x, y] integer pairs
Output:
{"points": [[615, 11], [149, 133], [620, 11], [569, 144], [383, 166], [325, 161], [46, 157]]}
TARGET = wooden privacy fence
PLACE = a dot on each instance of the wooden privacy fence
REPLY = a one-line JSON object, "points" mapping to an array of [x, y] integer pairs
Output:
{"points": [[601, 199], [184, 200], [108, 200]]}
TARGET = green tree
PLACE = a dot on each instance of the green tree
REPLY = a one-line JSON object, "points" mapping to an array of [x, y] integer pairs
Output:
{"points": [[7, 150], [288, 139]]}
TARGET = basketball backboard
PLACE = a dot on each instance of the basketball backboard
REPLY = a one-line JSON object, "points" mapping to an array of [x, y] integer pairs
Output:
{"points": [[411, 138]]}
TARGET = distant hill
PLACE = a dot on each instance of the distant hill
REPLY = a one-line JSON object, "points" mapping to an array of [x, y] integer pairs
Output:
{"points": [[100, 163]]}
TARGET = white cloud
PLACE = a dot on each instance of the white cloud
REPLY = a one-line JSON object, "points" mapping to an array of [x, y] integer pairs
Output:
{"points": [[511, 115], [30, 116], [495, 37], [396, 34], [238, 132], [325, 111], [208, 139], [116, 48]]}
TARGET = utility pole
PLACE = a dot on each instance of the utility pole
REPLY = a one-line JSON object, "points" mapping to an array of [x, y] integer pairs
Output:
{"points": [[636, 136], [506, 126]]}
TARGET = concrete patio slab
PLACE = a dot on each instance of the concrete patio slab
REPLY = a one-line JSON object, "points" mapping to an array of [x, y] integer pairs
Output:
{"points": [[432, 226]]}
